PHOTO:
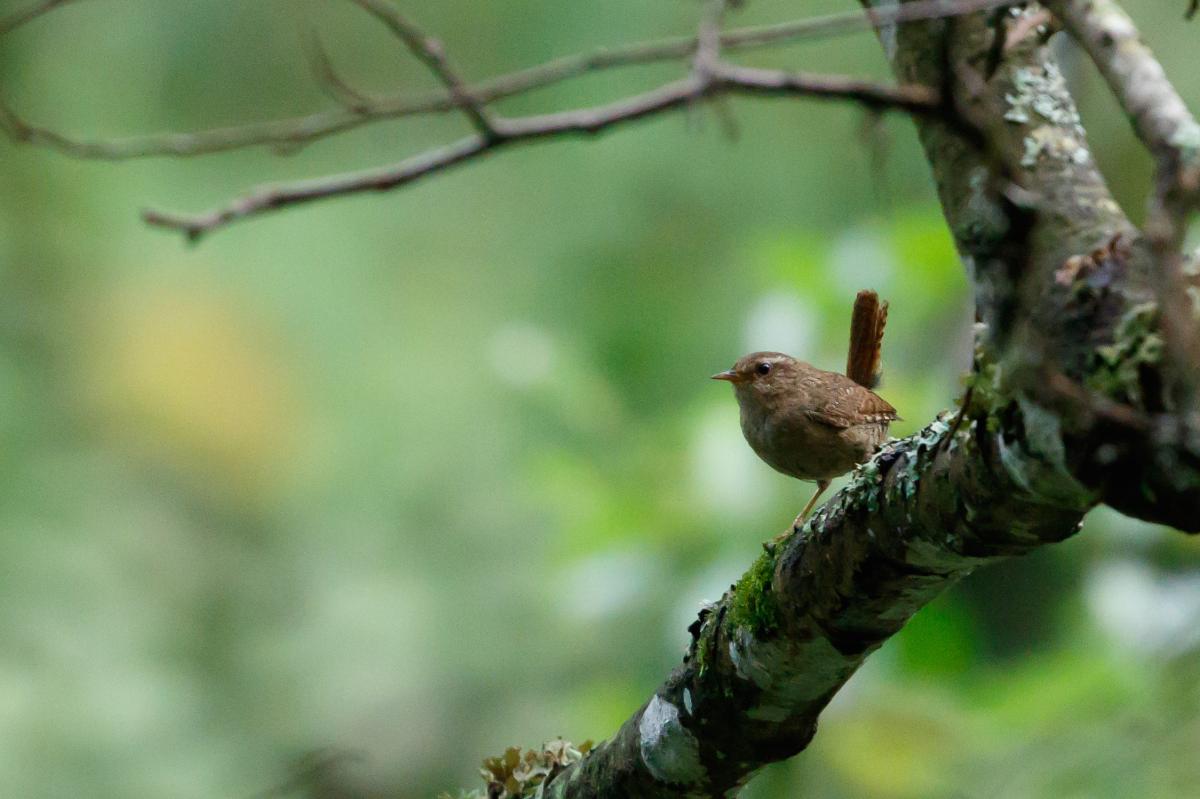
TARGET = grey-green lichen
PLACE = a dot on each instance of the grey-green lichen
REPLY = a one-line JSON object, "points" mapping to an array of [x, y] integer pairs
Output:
{"points": [[669, 750], [986, 389], [1186, 139], [908, 472], [1053, 143], [867, 483], [1041, 91], [1137, 343], [901, 458], [741, 654], [1040, 94]]}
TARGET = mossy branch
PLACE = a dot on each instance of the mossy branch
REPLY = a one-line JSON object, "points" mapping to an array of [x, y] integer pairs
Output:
{"points": [[1065, 411]]}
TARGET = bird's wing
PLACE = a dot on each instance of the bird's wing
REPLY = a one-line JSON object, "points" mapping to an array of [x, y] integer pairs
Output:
{"points": [[853, 405]]}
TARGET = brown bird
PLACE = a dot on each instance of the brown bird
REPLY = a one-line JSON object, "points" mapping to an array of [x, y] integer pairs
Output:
{"points": [[809, 423]]}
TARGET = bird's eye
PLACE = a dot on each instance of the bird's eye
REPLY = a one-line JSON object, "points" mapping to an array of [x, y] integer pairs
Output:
{"points": [[763, 368]]}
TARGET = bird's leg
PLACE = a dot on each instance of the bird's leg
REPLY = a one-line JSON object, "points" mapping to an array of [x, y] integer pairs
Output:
{"points": [[799, 522], [821, 486]]}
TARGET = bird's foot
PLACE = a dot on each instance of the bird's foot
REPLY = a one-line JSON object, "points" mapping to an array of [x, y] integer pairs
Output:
{"points": [[773, 544]]}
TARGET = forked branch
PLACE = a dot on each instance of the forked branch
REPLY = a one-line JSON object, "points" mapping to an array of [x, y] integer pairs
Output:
{"points": [[723, 79], [292, 134], [709, 78], [432, 54]]}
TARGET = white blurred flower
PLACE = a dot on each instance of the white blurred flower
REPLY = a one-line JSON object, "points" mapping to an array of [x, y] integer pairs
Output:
{"points": [[862, 258], [606, 583], [781, 321], [725, 477], [1143, 609], [521, 354]]}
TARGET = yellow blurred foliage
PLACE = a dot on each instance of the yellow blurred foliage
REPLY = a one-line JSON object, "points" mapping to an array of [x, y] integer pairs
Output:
{"points": [[892, 754], [188, 379]]}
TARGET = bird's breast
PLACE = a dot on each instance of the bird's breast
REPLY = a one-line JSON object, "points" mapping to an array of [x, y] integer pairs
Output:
{"points": [[794, 444]]}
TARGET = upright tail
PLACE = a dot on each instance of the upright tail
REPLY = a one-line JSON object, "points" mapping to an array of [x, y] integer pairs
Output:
{"points": [[866, 339]]}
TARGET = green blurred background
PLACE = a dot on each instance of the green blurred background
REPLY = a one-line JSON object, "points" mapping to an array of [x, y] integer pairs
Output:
{"points": [[374, 488]]}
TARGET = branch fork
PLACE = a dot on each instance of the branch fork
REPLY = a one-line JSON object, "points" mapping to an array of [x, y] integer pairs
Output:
{"points": [[710, 77]]}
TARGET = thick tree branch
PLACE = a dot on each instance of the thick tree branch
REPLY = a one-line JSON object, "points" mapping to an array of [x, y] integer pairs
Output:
{"points": [[516, 130], [765, 661], [1152, 476]]}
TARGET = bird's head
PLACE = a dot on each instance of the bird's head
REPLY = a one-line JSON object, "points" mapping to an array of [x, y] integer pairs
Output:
{"points": [[762, 374]]}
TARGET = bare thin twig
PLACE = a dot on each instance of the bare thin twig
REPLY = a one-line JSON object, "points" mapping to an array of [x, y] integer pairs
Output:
{"points": [[432, 54], [591, 120], [708, 53], [708, 37], [265, 199], [330, 81], [293, 133]]}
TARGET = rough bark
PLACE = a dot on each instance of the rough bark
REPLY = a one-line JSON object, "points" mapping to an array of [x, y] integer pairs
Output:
{"points": [[1069, 408]]}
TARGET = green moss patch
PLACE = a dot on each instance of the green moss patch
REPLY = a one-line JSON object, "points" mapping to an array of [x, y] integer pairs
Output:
{"points": [[753, 605]]}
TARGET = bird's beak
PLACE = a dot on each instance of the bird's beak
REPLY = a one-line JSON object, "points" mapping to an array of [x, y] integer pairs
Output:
{"points": [[728, 375]]}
